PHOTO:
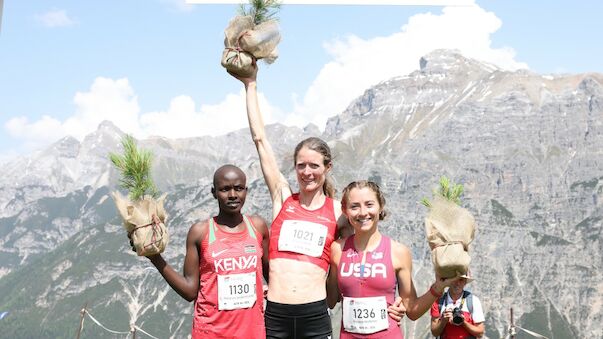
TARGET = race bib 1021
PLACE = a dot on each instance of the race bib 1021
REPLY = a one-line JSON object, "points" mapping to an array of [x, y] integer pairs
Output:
{"points": [[303, 237]]}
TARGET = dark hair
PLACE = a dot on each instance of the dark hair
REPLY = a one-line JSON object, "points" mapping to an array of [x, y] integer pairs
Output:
{"points": [[365, 184], [318, 145]]}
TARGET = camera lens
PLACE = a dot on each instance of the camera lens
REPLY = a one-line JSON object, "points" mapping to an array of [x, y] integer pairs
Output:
{"points": [[457, 316]]}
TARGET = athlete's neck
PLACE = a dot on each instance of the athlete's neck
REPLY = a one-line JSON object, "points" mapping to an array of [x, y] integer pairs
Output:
{"points": [[229, 220], [312, 200], [367, 241]]}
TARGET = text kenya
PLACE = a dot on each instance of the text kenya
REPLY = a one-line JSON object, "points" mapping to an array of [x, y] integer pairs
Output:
{"points": [[240, 263]]}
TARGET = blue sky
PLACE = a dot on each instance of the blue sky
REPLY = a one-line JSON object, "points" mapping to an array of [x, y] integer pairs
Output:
{"points": [[153, 66]]}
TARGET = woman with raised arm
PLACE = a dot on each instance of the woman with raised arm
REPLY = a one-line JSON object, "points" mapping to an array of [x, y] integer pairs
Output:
{"points": [[304, 226]]}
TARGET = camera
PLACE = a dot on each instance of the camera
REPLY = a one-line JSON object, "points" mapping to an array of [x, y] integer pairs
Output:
{"points": [[457, 316]]}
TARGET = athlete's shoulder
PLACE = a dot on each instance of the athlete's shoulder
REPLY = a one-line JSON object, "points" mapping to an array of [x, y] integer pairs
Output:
{"points": [[258, 223], [398, 247], [257, 220], [285, 202], [401, 254], [198, 230], [336, 250], [339, 243]]}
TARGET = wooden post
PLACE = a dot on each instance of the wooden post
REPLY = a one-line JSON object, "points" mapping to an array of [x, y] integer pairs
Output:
{"points": [[83, 314], [512, 328]]}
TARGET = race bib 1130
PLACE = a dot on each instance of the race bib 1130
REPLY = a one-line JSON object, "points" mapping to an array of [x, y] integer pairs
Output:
{"points": [[236, 291]]}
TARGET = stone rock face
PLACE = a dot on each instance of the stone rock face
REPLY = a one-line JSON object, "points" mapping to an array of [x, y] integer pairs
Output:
{"points": [[527, 147]]}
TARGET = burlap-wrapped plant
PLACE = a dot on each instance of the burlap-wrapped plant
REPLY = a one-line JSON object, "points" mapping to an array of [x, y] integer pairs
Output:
{"points": [[251, 36], [450, 229], [142, 212]]}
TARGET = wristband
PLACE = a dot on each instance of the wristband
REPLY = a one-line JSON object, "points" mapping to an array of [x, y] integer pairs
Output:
{"points": [[433, 292]]}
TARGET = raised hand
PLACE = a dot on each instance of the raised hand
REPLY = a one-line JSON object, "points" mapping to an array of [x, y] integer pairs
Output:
{"points": [[247, 80]]}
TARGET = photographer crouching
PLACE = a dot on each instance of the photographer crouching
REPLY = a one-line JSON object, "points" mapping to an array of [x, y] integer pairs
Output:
{"points": [[458, 313]]}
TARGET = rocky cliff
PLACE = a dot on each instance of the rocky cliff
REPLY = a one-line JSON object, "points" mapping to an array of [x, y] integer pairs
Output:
{"points": [[528, 148]]}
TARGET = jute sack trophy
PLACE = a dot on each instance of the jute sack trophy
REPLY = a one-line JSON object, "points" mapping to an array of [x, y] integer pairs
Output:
{"points": [[450, 229], [142, 212], [251, 36]]}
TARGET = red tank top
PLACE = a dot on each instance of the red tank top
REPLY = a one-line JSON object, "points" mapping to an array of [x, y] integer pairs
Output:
{"points": [[303, 235], [230, 267], [376, 278]]}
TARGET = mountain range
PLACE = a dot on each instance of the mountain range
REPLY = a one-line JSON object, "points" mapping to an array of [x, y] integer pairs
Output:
{"points": [[527, 147]]}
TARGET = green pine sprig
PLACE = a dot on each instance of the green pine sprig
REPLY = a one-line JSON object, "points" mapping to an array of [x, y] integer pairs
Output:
{"points": [[447, 190], [260, 10], [135, 168]]}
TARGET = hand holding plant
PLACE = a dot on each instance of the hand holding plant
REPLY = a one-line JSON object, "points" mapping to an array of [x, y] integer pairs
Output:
{"points": [[143, 215], [450, 229], [252, 35]]}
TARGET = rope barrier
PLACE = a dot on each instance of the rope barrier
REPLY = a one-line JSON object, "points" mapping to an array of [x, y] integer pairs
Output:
{"points": [[534, 334], [141, 330], [101, 325], [113, 331]]}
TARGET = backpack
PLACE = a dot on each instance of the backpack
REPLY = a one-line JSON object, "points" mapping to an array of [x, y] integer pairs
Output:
{"points": [[466, 295], [468, 299]]}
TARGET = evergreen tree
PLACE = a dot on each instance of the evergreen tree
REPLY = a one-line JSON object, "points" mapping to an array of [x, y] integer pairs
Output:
{"points": [[260, 10], [135, 168], [447, 190]]}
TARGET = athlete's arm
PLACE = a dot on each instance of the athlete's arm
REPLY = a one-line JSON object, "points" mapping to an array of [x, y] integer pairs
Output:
{"points": [[333, 293], [344, 229], [277, 184], [397, 310], [415, 306], [186, 285], [260, 224]]}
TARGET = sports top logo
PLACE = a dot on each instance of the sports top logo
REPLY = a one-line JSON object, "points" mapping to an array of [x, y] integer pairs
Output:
{"points": [[370, 270], [240, 263]]}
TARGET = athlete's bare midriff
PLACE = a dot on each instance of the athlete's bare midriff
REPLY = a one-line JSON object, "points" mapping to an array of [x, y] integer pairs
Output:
{"points": [[296, 282]]}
